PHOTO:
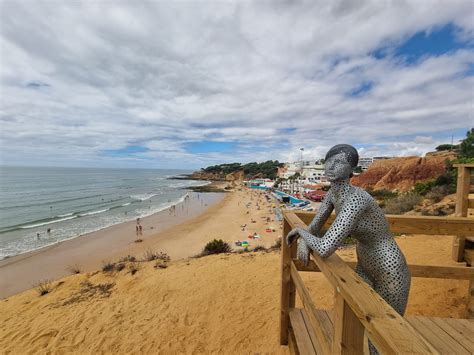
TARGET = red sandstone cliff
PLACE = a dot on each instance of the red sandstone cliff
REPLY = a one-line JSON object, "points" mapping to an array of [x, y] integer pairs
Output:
{"points": [[401, 174]]}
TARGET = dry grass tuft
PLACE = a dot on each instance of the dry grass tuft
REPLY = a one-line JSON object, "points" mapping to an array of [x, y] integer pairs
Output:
{"points": [[74, 269], [44, 287], [133, 267], [89, 290]]}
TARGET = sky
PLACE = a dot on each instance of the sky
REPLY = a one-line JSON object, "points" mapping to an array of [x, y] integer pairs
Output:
{"points": [[188, 84]]}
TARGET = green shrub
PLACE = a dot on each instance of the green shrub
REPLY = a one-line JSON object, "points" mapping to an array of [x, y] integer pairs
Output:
{"points": [[422, 188], [402, 203], [216, 246], [384, 193]]}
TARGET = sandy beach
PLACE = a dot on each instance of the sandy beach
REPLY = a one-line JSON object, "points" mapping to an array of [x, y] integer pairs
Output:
{"points": [[227, 303], [180, 234], [89, 251]]}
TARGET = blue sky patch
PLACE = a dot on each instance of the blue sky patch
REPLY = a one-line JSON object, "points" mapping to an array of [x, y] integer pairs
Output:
{"points": [[363, 88], [210, 147], [128, 151], [440, 40]]}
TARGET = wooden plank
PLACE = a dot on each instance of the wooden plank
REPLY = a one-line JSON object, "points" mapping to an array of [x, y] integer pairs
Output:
{"points": [[348, 331], [318, 326], [425, 271], [441, 340], [311, 331], [470, 202], [463, 326], [386, 328], [466, 165], [414, 224], [285, 286], [303, 340], [456, 334]]}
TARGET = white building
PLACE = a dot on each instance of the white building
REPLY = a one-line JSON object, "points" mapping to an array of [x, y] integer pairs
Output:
{"points": [[365, 162]]}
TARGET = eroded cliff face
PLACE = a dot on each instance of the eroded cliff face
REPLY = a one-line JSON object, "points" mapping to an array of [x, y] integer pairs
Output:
{"points": [[401, 174]]}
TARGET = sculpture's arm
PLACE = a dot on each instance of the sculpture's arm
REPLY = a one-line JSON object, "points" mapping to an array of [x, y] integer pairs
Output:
{"points": [[324, 211], [345, 221]]}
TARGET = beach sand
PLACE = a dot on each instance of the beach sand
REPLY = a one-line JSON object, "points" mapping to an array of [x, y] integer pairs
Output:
{"points": [[91, 250], [226, 303]]}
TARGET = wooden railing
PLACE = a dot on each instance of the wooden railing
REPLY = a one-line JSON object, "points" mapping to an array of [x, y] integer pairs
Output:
{"points": [[358, 308], [464, 201]]}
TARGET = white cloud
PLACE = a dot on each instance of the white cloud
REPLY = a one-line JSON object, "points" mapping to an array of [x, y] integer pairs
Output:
{"points": [[271, 77]]}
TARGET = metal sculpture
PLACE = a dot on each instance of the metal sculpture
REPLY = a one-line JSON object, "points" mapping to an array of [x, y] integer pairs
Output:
{"points": [[380, 262]]}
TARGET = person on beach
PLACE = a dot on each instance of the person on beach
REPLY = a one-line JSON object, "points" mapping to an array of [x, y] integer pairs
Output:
{"points": [[380, 262], [37, 236]]}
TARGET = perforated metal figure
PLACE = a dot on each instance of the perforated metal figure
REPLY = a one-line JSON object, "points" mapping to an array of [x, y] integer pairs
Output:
{"points": [[380, 261]]}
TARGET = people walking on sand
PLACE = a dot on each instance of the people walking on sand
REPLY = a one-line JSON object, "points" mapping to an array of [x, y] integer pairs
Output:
{"points": [[140, 229]]}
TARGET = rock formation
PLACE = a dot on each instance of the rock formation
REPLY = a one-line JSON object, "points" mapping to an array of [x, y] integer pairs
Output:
{"points": [[401, 174]]}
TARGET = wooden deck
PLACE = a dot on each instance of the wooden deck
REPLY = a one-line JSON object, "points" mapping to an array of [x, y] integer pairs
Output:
{"points": [[446, 335], [359, 312]]}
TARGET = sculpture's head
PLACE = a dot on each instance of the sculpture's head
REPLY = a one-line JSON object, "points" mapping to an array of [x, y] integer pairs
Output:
{"points": [[340, 161]]}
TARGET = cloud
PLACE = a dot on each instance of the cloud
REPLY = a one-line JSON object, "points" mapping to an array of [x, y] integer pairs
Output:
{"points": [[83, 78]]}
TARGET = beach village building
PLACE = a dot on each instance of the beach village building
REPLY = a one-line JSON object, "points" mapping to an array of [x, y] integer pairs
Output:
{"points": [[310, 175]]}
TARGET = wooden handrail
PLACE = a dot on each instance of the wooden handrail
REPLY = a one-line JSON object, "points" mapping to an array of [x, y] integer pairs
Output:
{"points": [[415, 224], [425, 271], [385, 327]]}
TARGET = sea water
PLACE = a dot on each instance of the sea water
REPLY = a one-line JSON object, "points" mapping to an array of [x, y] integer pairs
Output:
{"points": [[75, 201]]}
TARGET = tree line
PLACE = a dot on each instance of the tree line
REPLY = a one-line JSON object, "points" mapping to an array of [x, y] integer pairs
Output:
{"points": [[266, 169]]}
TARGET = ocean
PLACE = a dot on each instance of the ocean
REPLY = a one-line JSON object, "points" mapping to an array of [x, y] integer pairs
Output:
{"points": [[75, 201]]}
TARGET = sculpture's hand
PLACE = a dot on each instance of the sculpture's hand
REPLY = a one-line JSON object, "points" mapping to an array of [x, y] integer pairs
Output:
{"points": [[303, 252], [292, 236]]}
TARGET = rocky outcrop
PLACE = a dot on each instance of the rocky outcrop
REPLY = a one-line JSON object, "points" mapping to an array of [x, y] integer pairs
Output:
{"points": [[445, 207], [401, 174]]}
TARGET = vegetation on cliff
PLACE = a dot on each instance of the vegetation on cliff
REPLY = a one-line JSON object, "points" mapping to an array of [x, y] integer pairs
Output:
{"points": [[266, 169]]}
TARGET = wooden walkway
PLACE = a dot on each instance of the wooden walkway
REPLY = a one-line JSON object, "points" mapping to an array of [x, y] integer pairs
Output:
{"points": [[446, 335], [359, 312]]}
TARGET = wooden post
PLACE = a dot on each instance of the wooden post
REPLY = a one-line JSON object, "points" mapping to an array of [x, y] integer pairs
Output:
{"points": [[287, 285], [470, 300], [348, 330], [462, 195]]}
